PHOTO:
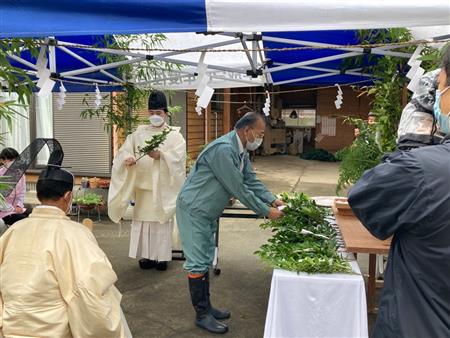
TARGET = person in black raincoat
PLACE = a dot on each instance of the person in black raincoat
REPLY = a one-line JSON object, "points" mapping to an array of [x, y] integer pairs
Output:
{"points": [[407, 196]]}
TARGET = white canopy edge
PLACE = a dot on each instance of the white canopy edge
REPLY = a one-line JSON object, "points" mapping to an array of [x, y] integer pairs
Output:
{"points": [[308, 15]]}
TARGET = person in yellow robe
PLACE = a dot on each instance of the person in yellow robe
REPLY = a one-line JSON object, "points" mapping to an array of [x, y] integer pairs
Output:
{"points": [[55, 281], [153, 181]]}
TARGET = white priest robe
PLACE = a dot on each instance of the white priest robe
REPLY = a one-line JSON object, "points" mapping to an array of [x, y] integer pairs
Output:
{"points": [[55, 281], [154, 185]]}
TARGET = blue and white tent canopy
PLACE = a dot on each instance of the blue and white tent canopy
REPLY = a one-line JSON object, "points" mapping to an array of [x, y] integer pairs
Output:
{"points": [[288, 23], [30, 18]]}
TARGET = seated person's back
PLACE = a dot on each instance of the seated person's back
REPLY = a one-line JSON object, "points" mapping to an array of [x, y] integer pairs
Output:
{"points": [[55, 279]]}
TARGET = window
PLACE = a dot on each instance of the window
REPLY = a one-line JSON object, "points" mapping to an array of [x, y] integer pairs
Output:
{"points": [[299, 117], [18, 137], [85, 142], [217, 101]]}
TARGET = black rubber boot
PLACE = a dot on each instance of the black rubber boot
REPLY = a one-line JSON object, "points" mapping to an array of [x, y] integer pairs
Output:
{"points": [[147, 264], [161, 266], [199, 295], [218, 314]]}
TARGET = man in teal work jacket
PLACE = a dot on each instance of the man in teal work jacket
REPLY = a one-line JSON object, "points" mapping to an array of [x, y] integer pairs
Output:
{"points": [[222, 171]]}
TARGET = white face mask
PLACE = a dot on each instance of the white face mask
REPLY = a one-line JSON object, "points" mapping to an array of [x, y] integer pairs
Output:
{"points": [[156, 120], [255, 144], [443, 120]]}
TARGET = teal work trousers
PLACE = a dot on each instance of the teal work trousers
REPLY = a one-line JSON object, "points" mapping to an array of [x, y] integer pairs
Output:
{"points": [[197, 236]]}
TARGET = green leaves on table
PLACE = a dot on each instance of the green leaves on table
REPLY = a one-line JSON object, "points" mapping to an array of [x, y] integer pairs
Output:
{"points": [[303, 240], [89, 199]]}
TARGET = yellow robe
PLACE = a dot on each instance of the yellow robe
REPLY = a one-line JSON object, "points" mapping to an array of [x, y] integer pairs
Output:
{"points": [[55, 281]]}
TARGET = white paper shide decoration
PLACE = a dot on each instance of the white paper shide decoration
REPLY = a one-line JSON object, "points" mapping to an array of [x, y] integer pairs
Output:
{"points": [[98, 97], [43, 74], [203, 92], [416, 72], [266, 108], [61, 96], [339, 97]]}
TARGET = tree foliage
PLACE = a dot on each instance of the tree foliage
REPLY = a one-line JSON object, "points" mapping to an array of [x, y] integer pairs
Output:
{"points": [[389, 80], [389, 96], [364, 153], [122, 112], [15, 79]]}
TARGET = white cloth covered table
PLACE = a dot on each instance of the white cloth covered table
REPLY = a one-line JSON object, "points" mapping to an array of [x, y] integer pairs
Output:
{"points": [[318, 305]]}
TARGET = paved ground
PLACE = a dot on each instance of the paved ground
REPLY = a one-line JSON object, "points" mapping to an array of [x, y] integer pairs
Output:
{"points": [[157, 304]]}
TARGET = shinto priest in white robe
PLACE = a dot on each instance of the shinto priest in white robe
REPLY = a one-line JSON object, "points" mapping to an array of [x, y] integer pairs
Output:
{"points": [[154, 185]]}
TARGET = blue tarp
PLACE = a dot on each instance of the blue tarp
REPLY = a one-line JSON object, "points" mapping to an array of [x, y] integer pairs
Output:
{"points": [[42, 18]]}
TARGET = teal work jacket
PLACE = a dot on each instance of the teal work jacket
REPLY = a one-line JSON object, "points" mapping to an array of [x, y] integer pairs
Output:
{"points": [[216, 177]]}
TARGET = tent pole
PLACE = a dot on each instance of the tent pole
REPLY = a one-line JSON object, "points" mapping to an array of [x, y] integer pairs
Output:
{"points": [[208, 46], [255, 53], [195, 64], [310, 62], [105, 66], [378, 50], [252, 64], [305, 78], [320, 69], [22, 61], [86, 62]]}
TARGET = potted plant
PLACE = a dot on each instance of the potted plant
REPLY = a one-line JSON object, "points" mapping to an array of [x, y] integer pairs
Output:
{"points": [[88, 201], [93, 182], [103, 183]]}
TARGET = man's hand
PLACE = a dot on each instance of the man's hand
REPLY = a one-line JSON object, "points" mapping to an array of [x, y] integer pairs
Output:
{"points": [[154, 154], [19, 210], [274, 213], [357, 132], [277, 203], [130, 161]]}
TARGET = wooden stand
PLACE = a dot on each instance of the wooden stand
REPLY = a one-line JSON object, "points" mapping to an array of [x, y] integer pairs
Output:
{"points": [[358, 240]]}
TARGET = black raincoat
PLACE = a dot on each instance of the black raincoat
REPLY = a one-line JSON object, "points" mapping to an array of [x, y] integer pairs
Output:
{"points": [[408, 196]]}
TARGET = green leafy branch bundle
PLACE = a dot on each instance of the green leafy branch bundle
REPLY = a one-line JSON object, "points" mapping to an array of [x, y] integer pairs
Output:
{"points": [[153, 143], [303, 240]]}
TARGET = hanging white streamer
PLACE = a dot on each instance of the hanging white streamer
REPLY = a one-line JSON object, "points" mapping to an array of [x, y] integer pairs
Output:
{"points": [[47, 87], [203, 92], [266, 108], [339, 97], [205, 97], [416, 72], [415, 56], [61, 96], [98, 97]]}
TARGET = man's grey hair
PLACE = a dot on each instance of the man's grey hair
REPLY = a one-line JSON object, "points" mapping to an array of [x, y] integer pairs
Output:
{"points": [[249, 120]]}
